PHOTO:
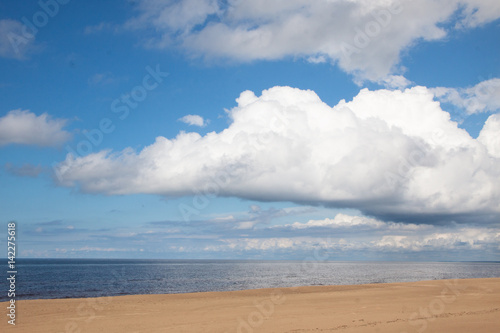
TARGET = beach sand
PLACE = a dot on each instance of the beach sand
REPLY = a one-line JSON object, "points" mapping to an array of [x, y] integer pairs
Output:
{"points": [[471, 305]]}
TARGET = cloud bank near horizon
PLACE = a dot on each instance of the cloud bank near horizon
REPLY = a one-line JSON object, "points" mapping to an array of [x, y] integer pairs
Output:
{"points": [[252, 234], [350, 234], [391, 154]]}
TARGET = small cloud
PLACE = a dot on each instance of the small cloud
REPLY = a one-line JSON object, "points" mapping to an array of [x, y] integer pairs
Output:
{"points": [[224, 218], [26, 170], [245, 225], [483, 97], [15, 42], [99, 249], [317, 59], [194, 120], [25, 127], [50, 223], [103, 26], [394, 82], [102, 79]]}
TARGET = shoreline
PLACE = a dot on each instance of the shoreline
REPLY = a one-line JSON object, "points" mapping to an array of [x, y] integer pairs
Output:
{"points": [[458, 305]]}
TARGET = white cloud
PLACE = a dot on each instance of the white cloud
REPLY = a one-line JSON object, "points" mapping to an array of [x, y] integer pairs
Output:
{"points": [[363, 37], [193, 119], [394, 154], [428, 239], [174, 15], [340, 221], [15, 40], [103, 26], [356, 223], [483, 97], [348, 234], [395, 82], [245, 225], [97, 249], [477, 12], [103, 79], [466, 238], [490, 135], [25, 127]]}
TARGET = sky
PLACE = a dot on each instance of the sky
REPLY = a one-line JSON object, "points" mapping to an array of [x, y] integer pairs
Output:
{"points": [[251, 129]]}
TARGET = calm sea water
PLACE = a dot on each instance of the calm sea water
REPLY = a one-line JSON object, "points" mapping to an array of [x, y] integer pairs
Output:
{"points": [[67, 278]]}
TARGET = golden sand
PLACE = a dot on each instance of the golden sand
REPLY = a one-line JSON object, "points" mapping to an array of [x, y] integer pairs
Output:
{"points": [[471, 305]]}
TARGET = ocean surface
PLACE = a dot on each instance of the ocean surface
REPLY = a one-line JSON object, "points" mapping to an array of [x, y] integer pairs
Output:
{"points": [[68, 278]]}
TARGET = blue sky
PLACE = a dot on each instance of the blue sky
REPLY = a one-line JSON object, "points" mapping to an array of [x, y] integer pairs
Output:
{"points": [[251, 129]]}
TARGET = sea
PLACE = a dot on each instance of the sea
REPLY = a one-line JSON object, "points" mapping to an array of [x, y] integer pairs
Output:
{"points": [[78, 278]]}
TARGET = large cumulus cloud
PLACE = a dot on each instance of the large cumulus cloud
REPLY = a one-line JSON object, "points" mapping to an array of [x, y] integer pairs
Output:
{"points": [[392, 154]]}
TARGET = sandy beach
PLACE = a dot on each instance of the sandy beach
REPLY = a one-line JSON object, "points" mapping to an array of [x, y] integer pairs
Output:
{"points": [[471, 305]]}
